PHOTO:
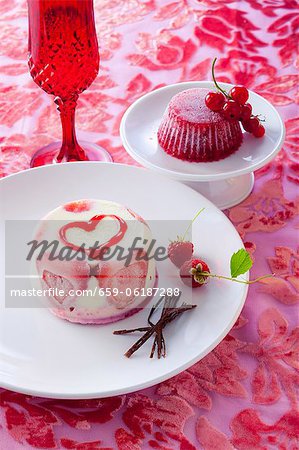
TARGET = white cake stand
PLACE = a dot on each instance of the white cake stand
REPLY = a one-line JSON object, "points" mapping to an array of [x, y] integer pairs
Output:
{"points": [[227, 182]]}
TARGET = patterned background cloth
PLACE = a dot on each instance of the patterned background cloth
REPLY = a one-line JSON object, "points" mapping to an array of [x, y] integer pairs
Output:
{"points": [[243, 394]]}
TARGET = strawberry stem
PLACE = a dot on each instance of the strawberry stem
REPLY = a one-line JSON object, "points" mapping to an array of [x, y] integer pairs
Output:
{"points": [[193, 220], [208, 274], [214, 79]]}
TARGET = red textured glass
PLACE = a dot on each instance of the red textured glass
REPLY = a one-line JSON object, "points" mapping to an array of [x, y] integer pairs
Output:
{"points": [[64, 61]]}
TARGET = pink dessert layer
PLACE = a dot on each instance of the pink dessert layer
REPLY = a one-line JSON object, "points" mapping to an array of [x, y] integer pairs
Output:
{"points": [[192, 132]]}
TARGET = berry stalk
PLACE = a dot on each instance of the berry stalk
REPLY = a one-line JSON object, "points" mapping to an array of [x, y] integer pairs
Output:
{"points": [[192, 221], [222, 277], [215, 81]]}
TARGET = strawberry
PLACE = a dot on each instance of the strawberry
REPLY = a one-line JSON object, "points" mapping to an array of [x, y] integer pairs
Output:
{"points": [[133, 277], [180, 251], [191, 273], [58, 283], [118, 278]]}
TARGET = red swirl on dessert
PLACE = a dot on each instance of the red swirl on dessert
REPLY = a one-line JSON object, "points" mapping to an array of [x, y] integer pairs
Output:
{"points": [[96, 285], [192, 132]]}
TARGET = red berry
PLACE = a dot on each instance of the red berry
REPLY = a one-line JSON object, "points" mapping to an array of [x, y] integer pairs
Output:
{"points": [[191, 273], [246, 111], [179, 252], [215, 101], [251, 125], [259, 131], [231, 110], [246, 125], [239, 94]]}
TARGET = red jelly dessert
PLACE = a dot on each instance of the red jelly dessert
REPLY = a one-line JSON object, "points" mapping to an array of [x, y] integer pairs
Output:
{"points": [[192, 132]]}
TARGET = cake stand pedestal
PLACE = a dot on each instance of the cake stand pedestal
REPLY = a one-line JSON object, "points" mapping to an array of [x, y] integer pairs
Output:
{"points": [[226, 182], [225, 193]]}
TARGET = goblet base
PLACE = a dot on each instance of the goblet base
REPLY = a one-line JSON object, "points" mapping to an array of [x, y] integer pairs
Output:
{"points": [[49, 153]]}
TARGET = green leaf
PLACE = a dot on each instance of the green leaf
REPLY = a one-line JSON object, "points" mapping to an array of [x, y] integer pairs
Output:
{"points": [[240, 263]]}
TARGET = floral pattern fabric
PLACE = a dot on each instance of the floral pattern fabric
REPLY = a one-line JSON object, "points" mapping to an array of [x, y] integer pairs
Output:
{"points": [[243, 395]]}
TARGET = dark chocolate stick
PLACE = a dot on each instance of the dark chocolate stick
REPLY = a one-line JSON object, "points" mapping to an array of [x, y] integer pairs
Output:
{"points": [[132, 330], [170, 312]]}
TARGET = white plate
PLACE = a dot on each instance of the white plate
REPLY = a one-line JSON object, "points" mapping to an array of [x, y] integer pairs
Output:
{"points": [[141, 121], [43, 355]]}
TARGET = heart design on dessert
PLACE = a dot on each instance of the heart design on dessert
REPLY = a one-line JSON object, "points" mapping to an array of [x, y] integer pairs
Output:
{"points": [[90, 226]]}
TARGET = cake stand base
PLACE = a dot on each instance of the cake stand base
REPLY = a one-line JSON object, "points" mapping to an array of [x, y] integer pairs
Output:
{"points": [[225, 193]]}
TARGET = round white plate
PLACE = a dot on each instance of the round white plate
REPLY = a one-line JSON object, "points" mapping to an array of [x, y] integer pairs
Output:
{"points": [[141, 121], [43, 355]]}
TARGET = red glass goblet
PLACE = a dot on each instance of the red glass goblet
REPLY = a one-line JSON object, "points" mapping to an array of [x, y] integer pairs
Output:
{"points": [[64, 61]]}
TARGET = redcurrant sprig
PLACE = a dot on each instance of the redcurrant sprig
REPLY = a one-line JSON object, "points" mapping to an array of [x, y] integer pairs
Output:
{"points": [[234, 106]]}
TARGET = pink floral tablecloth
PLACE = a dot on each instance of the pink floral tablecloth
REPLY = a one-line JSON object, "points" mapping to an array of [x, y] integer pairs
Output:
{"points": [[243, 394]]}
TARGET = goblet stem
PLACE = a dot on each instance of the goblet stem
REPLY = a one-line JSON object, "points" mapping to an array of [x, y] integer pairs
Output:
{"points": [[70, 149]]}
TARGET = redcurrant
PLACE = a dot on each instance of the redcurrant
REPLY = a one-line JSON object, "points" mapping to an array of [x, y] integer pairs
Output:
{"points": [[251, 125], [259, 131], [231, 110], [239, 94], [215, 101], [246, 111]]}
